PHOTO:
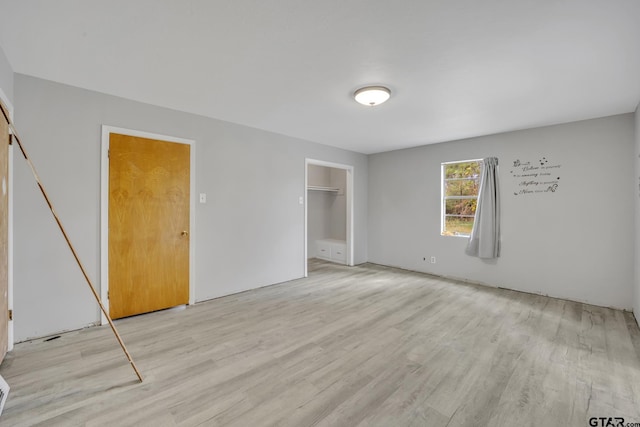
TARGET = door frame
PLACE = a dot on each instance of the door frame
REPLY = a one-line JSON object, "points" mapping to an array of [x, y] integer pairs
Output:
{"points": [[349, 202], [104, 207], [10, 337]]}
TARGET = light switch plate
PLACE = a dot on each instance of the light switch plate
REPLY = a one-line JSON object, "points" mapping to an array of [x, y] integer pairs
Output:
{"points": [[203, 197]]}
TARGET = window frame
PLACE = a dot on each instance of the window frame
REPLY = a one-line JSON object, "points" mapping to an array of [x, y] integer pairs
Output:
{"points": [[444, 197]]}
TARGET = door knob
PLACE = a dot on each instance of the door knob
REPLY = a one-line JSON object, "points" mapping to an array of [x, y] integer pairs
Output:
{"points": [[184, 233]]}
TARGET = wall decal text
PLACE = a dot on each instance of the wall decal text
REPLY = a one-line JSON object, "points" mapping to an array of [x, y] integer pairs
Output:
{"points": [[534, 177]]}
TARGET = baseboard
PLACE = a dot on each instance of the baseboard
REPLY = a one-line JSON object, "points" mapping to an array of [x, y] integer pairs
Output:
{"points": [[489, 285]]}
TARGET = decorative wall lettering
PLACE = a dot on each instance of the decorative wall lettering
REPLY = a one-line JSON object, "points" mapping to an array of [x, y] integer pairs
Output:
{"points": [[540, 176]]}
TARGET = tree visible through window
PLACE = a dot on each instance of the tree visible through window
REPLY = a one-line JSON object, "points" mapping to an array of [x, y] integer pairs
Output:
{"points": [[460, 184]]}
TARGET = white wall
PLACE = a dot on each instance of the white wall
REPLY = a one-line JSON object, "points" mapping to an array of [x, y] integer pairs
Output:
{"points": [[6, 76], [318, 205], [250, 233], [326, 211], [318, 176], [575, 243], [338, 212], [636, 283], [318, 219]]}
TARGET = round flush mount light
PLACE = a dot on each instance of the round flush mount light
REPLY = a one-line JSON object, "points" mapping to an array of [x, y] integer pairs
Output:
{"points": [[372, 95]]}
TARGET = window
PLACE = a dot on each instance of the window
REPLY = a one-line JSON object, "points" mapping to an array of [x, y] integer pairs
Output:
{"points": [[460, 184]]}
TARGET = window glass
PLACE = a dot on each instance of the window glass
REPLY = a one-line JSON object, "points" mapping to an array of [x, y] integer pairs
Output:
{"points": [[460, 185]]}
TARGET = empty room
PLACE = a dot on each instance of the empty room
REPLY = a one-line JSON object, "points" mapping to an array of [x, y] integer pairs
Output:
{"points": [[301, 213]]}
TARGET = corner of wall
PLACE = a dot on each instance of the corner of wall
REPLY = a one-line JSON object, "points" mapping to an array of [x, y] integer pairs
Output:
{"points": [[6, 79]]}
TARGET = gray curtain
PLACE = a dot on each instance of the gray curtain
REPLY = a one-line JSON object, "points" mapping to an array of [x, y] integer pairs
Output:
{"points": [[484, 241]]}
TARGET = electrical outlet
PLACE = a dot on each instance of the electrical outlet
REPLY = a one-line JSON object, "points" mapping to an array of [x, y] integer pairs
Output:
{"points": [[433, 260]]}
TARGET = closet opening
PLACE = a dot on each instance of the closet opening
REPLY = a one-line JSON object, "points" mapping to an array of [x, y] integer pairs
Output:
{"points": [[328, 213]]}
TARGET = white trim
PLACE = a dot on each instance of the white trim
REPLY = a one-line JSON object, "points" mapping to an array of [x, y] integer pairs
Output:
{"points": [[10, 326], [349, 201], [10, 249], [104, 208], [442, 202]]}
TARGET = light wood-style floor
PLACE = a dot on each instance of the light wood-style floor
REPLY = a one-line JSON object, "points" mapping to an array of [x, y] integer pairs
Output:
{"points": [[358, 346]]}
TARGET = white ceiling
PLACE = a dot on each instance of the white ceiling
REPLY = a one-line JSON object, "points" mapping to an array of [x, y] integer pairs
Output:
{"points": [[456, 68]]}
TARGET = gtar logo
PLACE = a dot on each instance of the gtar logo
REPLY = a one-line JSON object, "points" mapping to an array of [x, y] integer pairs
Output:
{"points": [[606, 422]]}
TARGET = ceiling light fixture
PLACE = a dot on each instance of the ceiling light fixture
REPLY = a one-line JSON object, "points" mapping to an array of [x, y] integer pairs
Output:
{"points": [[372, 95]]}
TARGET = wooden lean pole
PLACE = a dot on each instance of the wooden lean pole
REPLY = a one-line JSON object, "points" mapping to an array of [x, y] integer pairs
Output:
{"points": [[14, 133]]}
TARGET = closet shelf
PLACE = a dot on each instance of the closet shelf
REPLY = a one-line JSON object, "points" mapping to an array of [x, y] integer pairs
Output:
{"points": [[327, 189]]}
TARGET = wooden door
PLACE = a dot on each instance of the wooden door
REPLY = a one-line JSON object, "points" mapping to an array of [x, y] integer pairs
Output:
{"points": [[4, 233], [148, 225]]}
